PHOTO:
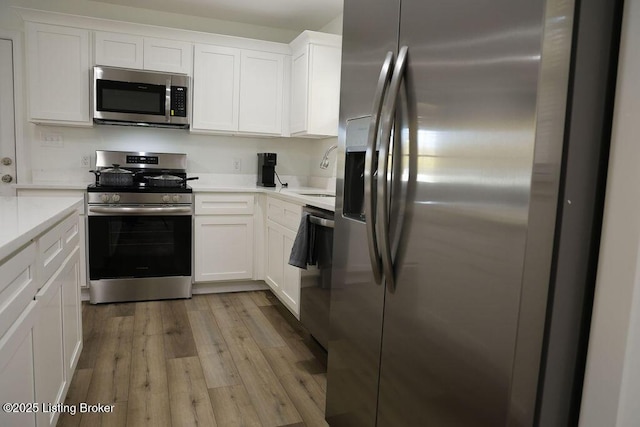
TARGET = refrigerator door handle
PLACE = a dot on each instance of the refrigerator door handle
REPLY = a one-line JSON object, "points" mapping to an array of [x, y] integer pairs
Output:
{"points": [[383, 179], [369, 166]]}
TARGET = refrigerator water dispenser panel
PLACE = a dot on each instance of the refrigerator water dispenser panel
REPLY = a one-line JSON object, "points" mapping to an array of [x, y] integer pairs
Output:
{"points": [[357, 134]]}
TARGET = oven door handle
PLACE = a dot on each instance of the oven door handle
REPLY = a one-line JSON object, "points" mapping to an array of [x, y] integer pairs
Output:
{"points": [[128, 210]]}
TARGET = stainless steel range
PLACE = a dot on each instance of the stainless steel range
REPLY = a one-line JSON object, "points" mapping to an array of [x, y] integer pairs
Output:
{"points": [[140, 227]]}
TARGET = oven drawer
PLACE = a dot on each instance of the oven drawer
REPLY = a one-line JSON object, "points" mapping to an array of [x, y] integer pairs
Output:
{"points": [[224, 204], [56, 245]]}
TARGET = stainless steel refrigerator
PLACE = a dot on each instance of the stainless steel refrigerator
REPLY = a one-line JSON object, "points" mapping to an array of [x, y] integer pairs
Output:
{"points": [[473, 147]]}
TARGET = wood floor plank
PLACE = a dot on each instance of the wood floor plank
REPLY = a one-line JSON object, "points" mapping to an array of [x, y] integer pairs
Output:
{"points": [[148, 366], [189, 397], [93, 321], [299, 383], [196, 303], [77, 393], [304, 394], [217, 364], [122, 309], [221, 306], [148, 391], [232, 407], [148, 409], [261, 329], [299, 341], [110, 379], [178, 338], [148, 318], [260, 298], [265, 391], [117, 418]]}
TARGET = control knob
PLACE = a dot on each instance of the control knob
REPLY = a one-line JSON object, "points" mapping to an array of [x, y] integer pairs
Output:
{"points": [[115, 198], [166, 198], [104, 198], [176, 198]]}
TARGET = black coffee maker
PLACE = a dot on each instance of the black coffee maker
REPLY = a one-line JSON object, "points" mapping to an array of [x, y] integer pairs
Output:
{"points": [[266, 169]]}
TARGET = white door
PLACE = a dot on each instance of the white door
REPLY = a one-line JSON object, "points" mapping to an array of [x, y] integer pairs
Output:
{"points": [[7, 120]]}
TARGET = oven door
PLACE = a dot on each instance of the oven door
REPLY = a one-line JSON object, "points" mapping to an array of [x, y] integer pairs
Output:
{"points": [[139, 246]]}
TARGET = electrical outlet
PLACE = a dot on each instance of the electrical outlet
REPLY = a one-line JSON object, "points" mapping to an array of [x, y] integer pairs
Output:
{"points": [[85, 161], [52, 140], [237, 165]]}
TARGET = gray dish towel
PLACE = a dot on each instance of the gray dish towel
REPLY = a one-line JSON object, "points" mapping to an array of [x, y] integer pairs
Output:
{"points": [[302, 250]]}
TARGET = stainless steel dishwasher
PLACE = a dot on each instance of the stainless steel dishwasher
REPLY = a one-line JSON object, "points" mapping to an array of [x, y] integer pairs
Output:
{"points": [[315, 292]]}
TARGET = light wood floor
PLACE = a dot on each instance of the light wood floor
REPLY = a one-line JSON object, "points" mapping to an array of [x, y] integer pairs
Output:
{"points": [[216, 360]]}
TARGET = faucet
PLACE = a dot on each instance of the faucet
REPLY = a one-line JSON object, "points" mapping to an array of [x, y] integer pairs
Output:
{"points": [[325, 159]]}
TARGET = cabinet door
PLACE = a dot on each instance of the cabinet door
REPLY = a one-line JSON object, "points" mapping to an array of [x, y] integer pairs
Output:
{"points": [[16, 369], [170, 56], [315, 91], [216, 88], [58, 74], [324, 90], [261, 85], [118, 50], [71, 313], [224, 248], [284, 279], [291, 275], [48, 348], [299, 90], [275, 259]]}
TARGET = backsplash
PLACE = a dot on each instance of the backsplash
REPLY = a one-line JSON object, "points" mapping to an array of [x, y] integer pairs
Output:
{"points": [[55, 155]]}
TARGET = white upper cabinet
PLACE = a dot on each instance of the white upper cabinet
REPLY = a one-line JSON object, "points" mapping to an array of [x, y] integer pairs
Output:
{"points": [[58, 74], [237, 91], [118, 50], [167, 55], [142, 53], [315, 84], [261, 92], [216, 88]]}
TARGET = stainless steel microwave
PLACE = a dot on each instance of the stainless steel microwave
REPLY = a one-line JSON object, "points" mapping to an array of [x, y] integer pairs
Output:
{"points": [[140, 98]]}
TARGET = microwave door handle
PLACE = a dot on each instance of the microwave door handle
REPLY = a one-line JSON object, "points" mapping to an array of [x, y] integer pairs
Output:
{"points": [[167, 101]]}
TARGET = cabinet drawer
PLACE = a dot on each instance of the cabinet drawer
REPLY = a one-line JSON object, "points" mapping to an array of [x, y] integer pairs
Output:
{"points": [[284, 213], [224, 204], [55, 246], [17, 285]]}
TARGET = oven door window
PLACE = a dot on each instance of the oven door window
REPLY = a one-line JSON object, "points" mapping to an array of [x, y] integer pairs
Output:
{"points": [[125, 97], [139, 246]]}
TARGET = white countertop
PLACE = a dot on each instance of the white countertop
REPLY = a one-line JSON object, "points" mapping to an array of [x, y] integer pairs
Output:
{"points": [[298, 195], [24, 218], [295, 195]]}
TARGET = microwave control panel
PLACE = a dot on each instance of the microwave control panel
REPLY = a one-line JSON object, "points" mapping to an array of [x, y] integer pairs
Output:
{"points": [[179, 101]]}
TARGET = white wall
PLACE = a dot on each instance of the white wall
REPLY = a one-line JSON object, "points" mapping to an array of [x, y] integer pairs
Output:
{"points": [[334, 27], [612, 381]]}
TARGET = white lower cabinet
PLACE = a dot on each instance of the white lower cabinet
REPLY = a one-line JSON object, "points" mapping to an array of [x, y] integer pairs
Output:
{"points": [[48, 346], [224, 248], [282, 223], [283, 278], [41, 348], [224, 237], [57, 336], [16, 369]]}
